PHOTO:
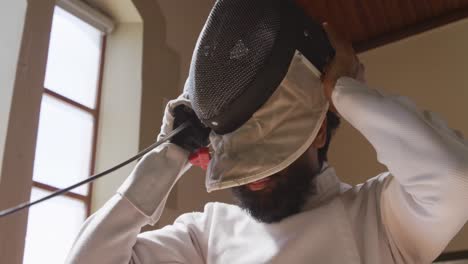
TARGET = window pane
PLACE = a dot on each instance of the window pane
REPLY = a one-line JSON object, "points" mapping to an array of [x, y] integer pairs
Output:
{"points": [[52, 228], [74, 58], [64, 145]]}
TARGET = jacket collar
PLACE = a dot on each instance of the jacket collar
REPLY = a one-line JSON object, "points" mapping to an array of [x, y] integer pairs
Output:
{"points": [[327, 186]]}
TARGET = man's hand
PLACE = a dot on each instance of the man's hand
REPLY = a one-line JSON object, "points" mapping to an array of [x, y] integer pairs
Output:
{"points": [[345, 63]]}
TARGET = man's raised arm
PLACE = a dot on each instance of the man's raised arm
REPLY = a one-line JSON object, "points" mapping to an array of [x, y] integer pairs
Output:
{"points": [[424, 201], [111, 235]]}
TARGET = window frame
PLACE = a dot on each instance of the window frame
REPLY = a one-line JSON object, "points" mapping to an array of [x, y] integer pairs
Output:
{"points": [[86, 199], [32, 29]]}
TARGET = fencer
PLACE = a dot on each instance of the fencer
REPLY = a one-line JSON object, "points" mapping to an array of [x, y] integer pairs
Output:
{"points": [[292, 208]]}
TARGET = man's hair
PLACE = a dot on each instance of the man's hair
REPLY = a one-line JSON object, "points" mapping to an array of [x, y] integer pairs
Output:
{"points": [[333, 122]]}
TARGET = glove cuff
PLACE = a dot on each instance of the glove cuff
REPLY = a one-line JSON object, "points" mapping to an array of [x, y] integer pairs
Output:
{"points": [[153, 177]]}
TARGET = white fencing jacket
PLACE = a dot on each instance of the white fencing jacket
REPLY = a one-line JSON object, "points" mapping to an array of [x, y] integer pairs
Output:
{"points": [[406, 215]]}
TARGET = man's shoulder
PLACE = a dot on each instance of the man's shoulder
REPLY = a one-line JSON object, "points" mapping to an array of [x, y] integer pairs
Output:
{"points": [[220, 209], [364, 200], [374, 183], [371, 189], [214, 211]]}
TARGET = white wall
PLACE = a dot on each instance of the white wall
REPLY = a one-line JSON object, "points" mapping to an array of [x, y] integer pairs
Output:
{"points": [[12, 15], [119, 123], [183, 25], [431, 69]]}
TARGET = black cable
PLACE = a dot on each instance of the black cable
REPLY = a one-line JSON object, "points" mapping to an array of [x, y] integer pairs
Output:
{"points": [[94, 177]]}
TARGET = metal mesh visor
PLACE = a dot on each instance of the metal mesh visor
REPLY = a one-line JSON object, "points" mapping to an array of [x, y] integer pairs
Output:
{"points": [[233, 47], [275, 136]]}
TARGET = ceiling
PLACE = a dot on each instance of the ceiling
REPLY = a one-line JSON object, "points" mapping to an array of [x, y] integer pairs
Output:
{"points": [[368, 23], [371, 23]]}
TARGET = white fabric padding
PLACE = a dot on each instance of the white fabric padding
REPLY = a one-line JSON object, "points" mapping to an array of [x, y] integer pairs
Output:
{"points": [[276, 135]]}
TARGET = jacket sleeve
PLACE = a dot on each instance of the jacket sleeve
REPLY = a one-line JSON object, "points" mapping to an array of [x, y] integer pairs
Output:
{"points": [[424, 200], [111, 235]]}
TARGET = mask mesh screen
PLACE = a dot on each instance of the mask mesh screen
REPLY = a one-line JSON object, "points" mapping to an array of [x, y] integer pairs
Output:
{"points": [[234, 45]]}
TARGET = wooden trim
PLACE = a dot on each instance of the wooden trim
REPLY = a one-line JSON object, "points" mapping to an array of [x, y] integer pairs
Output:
{"points": [[20, 143], [411, 30], [96, 123], [451, 256], [69, 101], [51, 188]]}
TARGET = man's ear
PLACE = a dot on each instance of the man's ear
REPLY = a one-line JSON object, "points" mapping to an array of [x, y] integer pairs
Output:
{"points": [[321, 137]]}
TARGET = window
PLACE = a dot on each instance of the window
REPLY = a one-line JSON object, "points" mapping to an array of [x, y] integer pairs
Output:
{"points": [[66, 139]]}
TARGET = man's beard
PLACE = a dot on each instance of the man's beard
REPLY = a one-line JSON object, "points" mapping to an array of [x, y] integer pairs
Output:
{"points": [[287, 195]]}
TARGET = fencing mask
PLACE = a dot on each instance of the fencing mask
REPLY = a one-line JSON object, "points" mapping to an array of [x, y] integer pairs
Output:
{"points": [[254, 80]]}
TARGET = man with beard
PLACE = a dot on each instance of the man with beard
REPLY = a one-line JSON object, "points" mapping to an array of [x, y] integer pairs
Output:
{"points": [[284, 194], [303, 214]]}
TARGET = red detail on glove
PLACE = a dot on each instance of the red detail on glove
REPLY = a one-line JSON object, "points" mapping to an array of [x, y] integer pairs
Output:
{"points": [[201, 158]]}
